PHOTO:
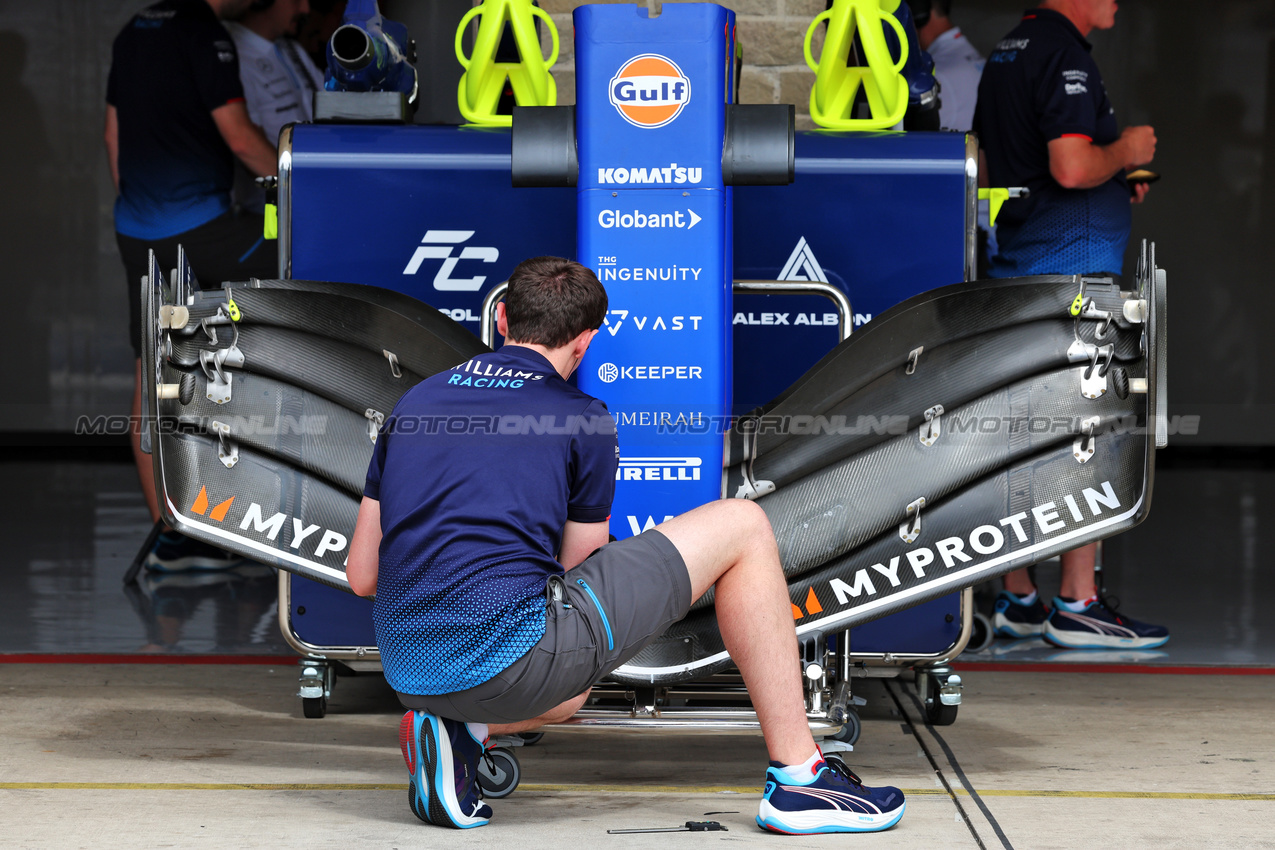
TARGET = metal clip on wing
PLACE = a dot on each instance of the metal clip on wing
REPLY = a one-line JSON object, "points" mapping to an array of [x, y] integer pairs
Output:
{"points": [[394, 367], [914, 357], [375, 419], [910, 529], [933, 426], [227, 449], [1084, 445], [214, 364]]}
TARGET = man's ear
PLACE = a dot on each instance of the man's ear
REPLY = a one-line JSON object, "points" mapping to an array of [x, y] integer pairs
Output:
{"points": [[502, 322], [581, 343]]}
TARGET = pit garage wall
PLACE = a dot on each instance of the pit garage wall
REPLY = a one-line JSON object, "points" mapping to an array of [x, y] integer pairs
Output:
{"points": [[1203, 80]]}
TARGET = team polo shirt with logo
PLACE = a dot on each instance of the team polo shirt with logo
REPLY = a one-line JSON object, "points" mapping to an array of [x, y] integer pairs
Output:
{"points": [[171, 66], [1041, 84], [477, 470]]}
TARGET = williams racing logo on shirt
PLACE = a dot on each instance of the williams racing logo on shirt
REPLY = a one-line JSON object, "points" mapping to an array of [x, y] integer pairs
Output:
{"points": [[476, 373]]}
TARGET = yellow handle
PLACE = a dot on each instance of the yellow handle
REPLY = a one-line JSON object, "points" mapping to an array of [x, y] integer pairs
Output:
{"points": [[903, 40], [553, 32], [810, 33], [460, 32]]}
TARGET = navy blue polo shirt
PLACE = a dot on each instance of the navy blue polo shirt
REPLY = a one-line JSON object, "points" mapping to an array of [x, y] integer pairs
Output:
{"points": [[171, 66], [1041, 84], [477, 470]]}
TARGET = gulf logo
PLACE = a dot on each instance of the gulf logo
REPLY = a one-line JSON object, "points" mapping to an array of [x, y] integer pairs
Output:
{"points": [[649, 90]]}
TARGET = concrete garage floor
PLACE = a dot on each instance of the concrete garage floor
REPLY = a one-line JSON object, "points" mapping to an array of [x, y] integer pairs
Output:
{"points": [[197, 755]]}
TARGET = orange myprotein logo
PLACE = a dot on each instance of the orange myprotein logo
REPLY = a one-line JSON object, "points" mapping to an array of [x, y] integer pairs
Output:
{"points": [[201, 506], [812, 606], [649, 90]]}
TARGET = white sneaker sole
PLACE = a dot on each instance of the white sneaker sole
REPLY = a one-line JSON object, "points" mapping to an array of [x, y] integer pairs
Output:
{"points": [[1004, 627], [824, 820], [1074, 640]]}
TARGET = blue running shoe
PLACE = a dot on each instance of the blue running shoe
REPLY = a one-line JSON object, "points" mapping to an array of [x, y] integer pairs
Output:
{"points": [[442, 759], [1013, 619], [176, 553], [1100, 627], [834, 800]]}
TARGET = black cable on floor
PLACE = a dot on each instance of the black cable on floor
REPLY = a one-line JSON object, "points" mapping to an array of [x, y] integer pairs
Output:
{"points": [[956, 766]]}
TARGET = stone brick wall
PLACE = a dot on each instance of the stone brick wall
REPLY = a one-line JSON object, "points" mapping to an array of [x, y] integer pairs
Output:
{"points": [[771, 32]]}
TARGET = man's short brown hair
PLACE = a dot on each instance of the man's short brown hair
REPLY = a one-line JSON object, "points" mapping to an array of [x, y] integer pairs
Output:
{"points": [[551, 301]]}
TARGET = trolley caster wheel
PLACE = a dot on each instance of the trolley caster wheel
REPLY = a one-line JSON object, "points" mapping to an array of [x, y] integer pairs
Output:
{"points": [[936, 712], [499, 773], [980, 634], [314, 707], [853, 727], [530, 738]]}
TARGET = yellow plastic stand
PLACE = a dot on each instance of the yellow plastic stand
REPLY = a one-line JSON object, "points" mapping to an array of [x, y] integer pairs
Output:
{"points": [[484, 79], [837, 83], [995, 198]]}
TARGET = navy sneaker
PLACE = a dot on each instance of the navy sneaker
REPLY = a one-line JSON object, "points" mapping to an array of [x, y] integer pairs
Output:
{"points": [[833, 800], [174, 552], [1100, 627], [442, 759], [1013, 619]]}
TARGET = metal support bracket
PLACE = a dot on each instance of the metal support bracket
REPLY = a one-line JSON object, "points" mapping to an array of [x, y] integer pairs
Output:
{"points": [[394, 367], [214, 364], [751, 488], [227, 449], [1084, 445], [933, 427], [375, 419], [1093, 383], [910, 529], [914, 357]]}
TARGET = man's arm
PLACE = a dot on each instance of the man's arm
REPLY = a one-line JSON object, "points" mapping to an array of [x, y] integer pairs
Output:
{"points": [[364, 560], [111, 135], [245, 139], [1077, 163], [580, 539]]}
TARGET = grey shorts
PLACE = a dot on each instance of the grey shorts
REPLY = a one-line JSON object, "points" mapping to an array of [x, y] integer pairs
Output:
{"points": [[597, 616]]}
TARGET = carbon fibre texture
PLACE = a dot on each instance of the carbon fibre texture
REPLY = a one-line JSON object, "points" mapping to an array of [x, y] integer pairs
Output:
{"points": [[352, 377], [262, 508], [287, 423], [355, 322], [949, 375], [933, 318], [442, 327], [830, 512], [686, 651]]}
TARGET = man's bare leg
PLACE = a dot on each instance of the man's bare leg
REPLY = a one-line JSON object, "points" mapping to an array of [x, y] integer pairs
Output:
{"points": [[557, 714], [1077, 575], [1078, 572], [729, 544], [145, 470]]}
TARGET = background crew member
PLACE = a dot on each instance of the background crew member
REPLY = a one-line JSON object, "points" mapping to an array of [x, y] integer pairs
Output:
{"points": [[175, 123], [279, 79], [1045, 122], [957, 64]]}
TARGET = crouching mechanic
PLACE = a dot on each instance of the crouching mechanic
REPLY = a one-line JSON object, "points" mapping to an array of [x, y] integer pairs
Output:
{"points": [[499, 601]]}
